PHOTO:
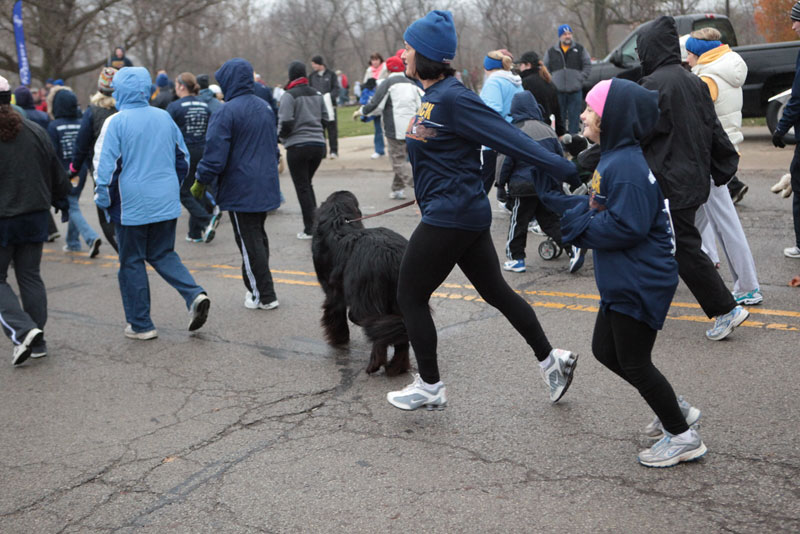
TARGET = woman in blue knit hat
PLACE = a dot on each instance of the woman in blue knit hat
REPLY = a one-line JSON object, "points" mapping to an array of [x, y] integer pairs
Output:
{"points": [[444, 141]]}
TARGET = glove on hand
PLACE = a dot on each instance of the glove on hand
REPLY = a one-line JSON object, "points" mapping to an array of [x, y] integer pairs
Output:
{"points": [[777, 140], [197, 190]]}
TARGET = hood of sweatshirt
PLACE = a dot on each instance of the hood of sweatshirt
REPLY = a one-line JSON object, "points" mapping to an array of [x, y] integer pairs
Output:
{"points": [[23, 97], [235, 78], [65, 105], [658, 45], [525, 107], [507, 75], [630, 113], [131, 87]]}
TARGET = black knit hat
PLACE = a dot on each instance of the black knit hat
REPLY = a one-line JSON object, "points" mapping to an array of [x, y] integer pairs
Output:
{"points": [[318, 60], [795, 15], [297, 69], [530, 57], [202, 81]]}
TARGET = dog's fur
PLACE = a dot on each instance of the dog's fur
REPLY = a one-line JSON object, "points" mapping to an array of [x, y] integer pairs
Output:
{"points": [[358, 268]]}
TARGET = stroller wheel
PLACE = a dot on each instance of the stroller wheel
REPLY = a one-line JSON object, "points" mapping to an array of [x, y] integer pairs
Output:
{"points": [[548, 250]]}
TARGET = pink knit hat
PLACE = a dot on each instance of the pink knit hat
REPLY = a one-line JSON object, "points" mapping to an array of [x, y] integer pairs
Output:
{"points": [[596, 98]]}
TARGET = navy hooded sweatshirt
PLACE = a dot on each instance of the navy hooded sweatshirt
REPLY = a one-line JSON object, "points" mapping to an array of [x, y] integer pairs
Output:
{"points": [[64, 131], [630, 232], [241, 154], [444, 145], [526, 114]]}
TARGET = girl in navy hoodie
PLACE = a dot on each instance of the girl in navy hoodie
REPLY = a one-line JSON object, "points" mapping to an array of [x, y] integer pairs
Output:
{"points": [[444, 141], [626, 221]]}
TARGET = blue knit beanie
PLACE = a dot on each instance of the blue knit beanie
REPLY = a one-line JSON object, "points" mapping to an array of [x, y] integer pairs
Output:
{"points": [[434, 36], [699, 47], [564, 28], [162, 80]]}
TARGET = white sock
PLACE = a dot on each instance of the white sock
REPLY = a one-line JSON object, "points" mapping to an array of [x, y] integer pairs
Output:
{"points": [[685, 436], [431, 387], [547, 362]]}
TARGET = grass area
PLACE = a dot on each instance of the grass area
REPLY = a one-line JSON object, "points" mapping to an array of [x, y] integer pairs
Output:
{"points": [[348, 127], [754, 121]]}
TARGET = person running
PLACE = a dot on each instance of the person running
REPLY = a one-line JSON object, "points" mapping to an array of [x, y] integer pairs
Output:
{"points": [[241, 157], [444, 141], [724, 71], [31, 179], [191, 115], [101, 106], [396, 101], [686, 147], [301, 115], [626, 221], [140, 158], [63, 132]]}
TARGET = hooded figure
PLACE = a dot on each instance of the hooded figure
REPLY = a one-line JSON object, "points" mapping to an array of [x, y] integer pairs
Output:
{"points": [[64, 128], [24, 99]]}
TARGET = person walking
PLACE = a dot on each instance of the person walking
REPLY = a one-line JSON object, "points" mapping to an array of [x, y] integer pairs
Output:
{"points": [[207, 95], [301, 116], [101, 106], [63, 132], [324, 80], [31, 179], [724, 71], [686, 147], [376, 71], [163, 95], [396, 101], [444, 141], [791, 118], [537, 79], [141, 158], [570, 65], [24, 99], [191, 115], [241, 157]]}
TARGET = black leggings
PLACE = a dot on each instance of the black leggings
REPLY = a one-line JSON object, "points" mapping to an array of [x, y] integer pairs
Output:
{"points": [[431, 255], [625, 346]]}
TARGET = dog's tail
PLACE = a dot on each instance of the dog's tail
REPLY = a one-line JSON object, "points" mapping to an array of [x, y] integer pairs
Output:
{"points": [[386, 330]]}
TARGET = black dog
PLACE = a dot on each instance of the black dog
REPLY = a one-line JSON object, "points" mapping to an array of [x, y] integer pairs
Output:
{"points": [[357, 268]]}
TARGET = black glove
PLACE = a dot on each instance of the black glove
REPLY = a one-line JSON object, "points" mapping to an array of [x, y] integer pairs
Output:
{"points": [[63, 205], [777, 140]]}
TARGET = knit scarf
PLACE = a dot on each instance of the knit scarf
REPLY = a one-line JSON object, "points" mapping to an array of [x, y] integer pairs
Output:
{"points": [[297, 81]]}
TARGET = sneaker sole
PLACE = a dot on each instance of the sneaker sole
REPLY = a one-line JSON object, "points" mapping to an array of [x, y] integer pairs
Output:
{"points": [[141, 336], [725, 333], [740, 194], [407, 408], [751, 301], [793, 256], [688, 456], [20, 358], [200, 315], [514, 270], [95, 248], [572, 363]]}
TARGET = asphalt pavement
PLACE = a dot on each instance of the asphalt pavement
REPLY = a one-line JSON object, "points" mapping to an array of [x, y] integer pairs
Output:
{"points": [[255, 424]]}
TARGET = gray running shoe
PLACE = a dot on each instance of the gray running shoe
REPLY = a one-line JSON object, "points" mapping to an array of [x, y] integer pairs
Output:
{"points": [[724, 324], [671, 450], [558, 375], [415, 396], [655, 429]]}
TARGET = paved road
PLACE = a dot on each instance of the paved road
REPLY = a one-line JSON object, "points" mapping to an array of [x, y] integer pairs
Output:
{"points": [[254, 424]]}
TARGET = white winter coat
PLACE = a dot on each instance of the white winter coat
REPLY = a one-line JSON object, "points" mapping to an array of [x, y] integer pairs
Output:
{"points": [[727, 71]]}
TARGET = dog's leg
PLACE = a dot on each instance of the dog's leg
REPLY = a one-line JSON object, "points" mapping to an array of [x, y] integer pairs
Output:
{"points": [[378, 358], [334, 320], [400, 363]]}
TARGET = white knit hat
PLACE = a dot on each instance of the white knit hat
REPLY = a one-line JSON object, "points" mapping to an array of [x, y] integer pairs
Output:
{"points": [[4, 85]]}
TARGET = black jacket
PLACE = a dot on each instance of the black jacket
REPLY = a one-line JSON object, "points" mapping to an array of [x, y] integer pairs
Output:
{"points": [[325, 83], [546, 95], [688, 143]]}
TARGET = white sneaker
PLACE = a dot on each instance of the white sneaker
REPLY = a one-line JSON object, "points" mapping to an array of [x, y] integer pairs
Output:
{"points": [[791, 252], [672, 450], [303, 235], [724, 324], [23, 351], [375, 155], [397, 195], [252, 304], [558, 375], [150, 334], [415, 395], [198, 311], [333, 155], [534, 227]]}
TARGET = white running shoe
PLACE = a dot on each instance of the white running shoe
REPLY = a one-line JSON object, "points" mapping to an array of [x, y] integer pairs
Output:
{"points": [[397, 195], [415, 395], [375, 155], [252, 304], [303, 236], [534, 227], [672, 450], [198, 311], [725, 324], [23, 351], [791, 252], [150, 334], [558, 375], [655, 429]]}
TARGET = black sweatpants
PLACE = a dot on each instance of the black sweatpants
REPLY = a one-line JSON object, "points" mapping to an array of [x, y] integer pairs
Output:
{"points": [[431, 254], [303, 162], [251, 238], [625, 346], [332, 130], [696, 269], [523, 211]]}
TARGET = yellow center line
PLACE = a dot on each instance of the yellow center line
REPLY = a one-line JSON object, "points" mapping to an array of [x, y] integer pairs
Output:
{"points": [[76, 258]]}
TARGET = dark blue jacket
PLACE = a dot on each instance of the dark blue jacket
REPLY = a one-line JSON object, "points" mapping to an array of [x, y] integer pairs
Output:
{"points": [[526, 114], [64, 130], [444, 145], [241, 154], [265, 93], [25, 101], [629, 231], [191, 115], [791, 113]]}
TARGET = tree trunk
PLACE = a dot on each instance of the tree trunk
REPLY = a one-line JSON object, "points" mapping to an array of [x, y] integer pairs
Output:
{"points": [[599, 29]]}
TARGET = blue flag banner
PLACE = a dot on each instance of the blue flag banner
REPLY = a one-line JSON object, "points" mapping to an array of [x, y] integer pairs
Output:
{"points": [[22, 53]]}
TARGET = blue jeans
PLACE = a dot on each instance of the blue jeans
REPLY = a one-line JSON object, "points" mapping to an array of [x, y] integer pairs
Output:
{"points": [[78, 227], [154, 243], [379, 146], [571, 105]]}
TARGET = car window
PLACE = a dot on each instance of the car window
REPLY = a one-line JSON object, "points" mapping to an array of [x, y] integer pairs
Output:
{"points": [[629, 54], [724, 27]]}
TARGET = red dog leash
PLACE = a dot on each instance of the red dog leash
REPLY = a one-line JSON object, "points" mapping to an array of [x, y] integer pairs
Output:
{"points": [[401, 206]]}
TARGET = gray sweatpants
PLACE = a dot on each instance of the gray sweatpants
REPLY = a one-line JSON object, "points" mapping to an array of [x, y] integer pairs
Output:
{"points": [[400, 165], [16, 320], [717, 219]]}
